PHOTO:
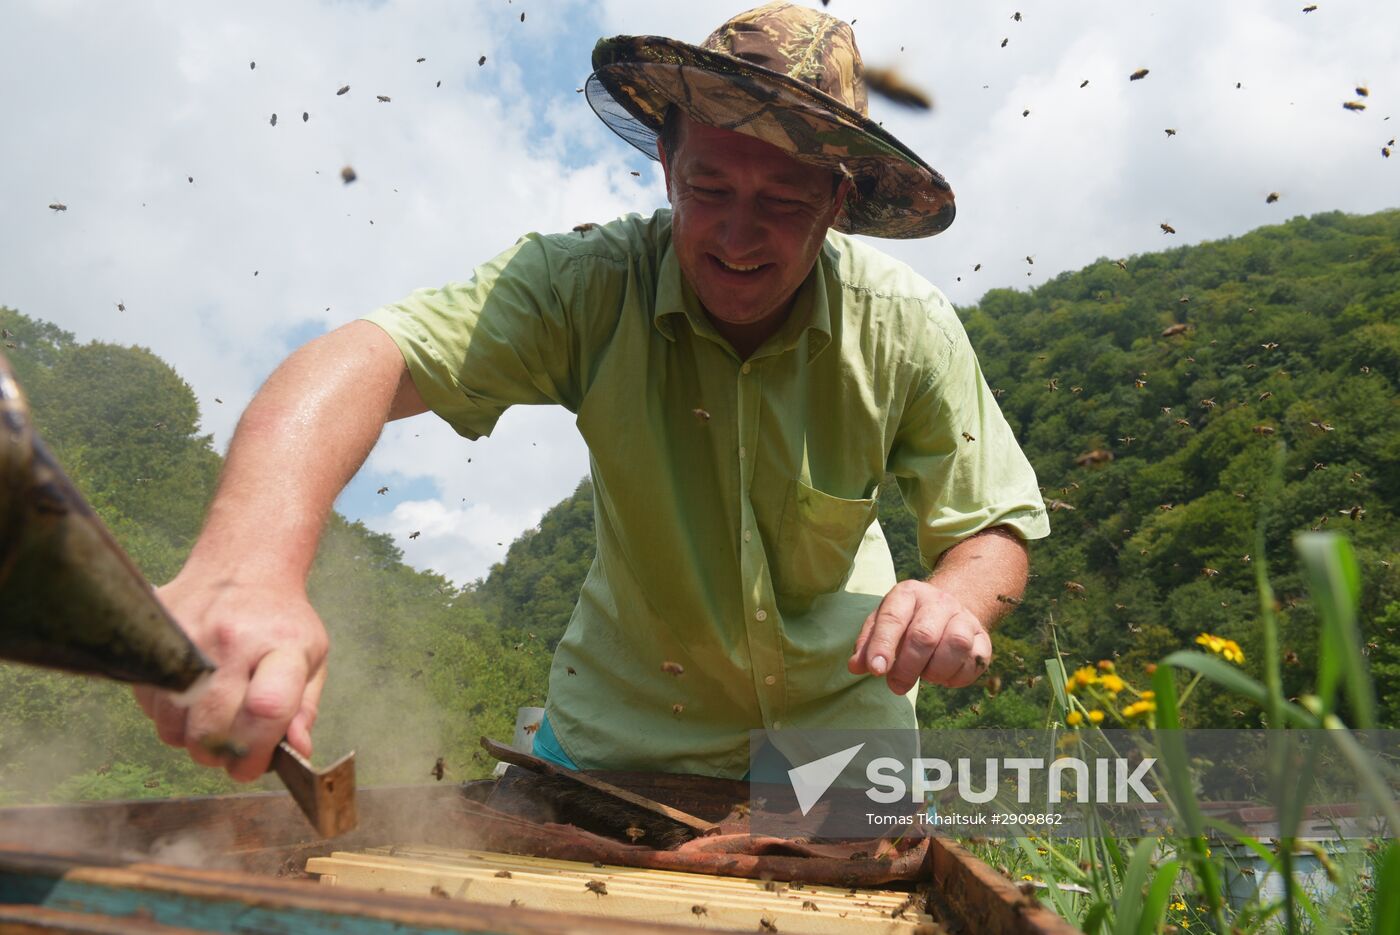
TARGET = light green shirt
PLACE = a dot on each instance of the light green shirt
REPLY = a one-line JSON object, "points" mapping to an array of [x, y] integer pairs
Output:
{"points": [[733, 500]]}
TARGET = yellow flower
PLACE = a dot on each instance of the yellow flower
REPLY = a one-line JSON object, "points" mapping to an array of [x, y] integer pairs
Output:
{"points": [[1074, 719], [1096, 717], [1112, 683], [1149, 695], [1027, 876], [1105, 665], [1178, 906], [1139, 707], [1228, 649], [1083, 678]]}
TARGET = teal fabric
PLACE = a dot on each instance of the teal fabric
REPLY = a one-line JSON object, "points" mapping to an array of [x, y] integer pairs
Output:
{"points": [[547, 746]]}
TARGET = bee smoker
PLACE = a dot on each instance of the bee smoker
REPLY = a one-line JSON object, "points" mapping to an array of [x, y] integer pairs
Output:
{"points": [[70, 598]]}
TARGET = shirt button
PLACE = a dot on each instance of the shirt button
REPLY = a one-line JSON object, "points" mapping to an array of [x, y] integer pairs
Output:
{"points": [[746, 368], [747, 535], [761, 615], [770, 680]]}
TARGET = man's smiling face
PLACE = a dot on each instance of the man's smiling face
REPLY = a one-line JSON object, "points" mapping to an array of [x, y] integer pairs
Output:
{"points": [[747, 223]]}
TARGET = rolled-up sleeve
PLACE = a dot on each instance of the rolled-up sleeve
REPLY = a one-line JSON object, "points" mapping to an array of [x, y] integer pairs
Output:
{"points": [[503, 337], [955, 457]]}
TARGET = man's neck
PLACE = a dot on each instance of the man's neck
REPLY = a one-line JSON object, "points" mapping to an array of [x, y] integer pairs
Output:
{"points": [[745, 339]]}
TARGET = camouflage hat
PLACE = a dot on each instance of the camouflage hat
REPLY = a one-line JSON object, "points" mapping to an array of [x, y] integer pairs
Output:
{"points": [[790, 76]]}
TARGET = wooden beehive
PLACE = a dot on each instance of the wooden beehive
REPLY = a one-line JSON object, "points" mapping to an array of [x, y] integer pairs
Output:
{"points": [[655, 896]]}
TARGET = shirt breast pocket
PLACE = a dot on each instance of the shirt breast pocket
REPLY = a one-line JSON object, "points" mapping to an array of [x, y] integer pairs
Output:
{"points": [[817, 540]]}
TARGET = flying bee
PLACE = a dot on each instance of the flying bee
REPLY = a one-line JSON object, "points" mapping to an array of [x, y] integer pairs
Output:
{"points": [[701, 415], [994, 685], [438, 770], [672, 668], [1170, 132], [596, 886], [382, 98], [571, 670], [977, 267], [1178, 328], [1053, 384], [1208, 404], [342, 90], [58, 206], [1264, 430], [890, 84], [677, 709], [1084, 83], [1127, 439], [585, 227], [1310, 7], [1167, 228], [1008, 599], [1184, 423], [273, 121], [1353, 105], [1209, 572], [1005, 41], [531, 728], [1265, 395], [1272, 197], [1355, 512], [347, 175], [481, 61], [415, 534], [1074, 587], [767, 923], [809, 905], [1138, 75], [1056, 505], [382, 490]]}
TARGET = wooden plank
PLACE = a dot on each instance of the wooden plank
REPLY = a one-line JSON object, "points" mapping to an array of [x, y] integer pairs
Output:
{"points": [[232, 902], [580, 778], [40, 920], [700, 886], [711, 902], [982, 900]]}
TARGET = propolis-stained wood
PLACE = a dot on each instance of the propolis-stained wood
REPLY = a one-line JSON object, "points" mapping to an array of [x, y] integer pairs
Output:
{"points": [[615, 892]]}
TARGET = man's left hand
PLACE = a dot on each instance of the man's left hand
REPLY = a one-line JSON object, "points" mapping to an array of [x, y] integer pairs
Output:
{"points": [[920, 631]]}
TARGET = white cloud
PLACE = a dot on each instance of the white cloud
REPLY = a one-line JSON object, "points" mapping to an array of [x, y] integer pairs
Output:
{"points": [[119, 103]]}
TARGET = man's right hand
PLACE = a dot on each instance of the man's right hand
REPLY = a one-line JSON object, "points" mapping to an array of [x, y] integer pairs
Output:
{"points": [[269, 646]]}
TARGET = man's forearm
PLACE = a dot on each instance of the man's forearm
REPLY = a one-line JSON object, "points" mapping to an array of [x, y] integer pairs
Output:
{"points": [[302, 438], [978, 570]]}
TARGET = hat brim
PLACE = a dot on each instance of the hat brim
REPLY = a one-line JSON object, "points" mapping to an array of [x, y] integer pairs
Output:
{"points": [[636, 78]]}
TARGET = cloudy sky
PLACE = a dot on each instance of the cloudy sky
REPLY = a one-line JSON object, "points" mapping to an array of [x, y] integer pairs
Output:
{"points": [[230, 241]]}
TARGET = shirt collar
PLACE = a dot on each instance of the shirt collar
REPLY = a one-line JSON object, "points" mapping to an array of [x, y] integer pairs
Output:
{"points": [[810, 318]]}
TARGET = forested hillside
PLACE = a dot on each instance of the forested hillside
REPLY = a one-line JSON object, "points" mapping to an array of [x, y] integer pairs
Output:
{"points": [[1151, 393]]}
